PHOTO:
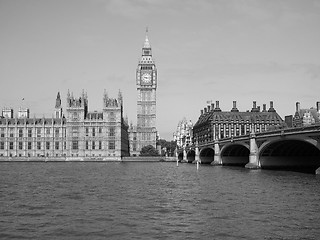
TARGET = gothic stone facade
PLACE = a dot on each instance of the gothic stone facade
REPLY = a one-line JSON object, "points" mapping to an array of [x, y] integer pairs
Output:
{"points": [[183, 134], [80, 135], [306, 117]]}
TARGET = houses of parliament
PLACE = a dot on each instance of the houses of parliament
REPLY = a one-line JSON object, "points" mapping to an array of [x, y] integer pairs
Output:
{"points": [[77, 133]]}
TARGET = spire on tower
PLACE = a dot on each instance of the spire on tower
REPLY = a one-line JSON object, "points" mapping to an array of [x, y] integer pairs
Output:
{"points": [[120, 94], [58, 109], [120, 97], [105, 98], [146, 42]]}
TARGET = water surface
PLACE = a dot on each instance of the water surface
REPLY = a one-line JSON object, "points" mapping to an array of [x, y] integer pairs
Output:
{"points": [[92, 200]]}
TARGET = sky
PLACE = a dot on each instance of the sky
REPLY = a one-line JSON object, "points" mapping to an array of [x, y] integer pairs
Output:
{"points": [[204, 50]]}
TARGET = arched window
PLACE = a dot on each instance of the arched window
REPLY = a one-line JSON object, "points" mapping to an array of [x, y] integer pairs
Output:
{"points": [[112, 117]]}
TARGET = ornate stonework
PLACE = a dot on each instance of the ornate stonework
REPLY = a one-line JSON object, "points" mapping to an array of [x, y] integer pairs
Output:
{"points": [[145, 132], [79, 135]]}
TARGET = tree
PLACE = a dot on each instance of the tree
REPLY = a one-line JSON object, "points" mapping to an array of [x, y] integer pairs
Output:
{"points": [[149, 150], [170, 146]]}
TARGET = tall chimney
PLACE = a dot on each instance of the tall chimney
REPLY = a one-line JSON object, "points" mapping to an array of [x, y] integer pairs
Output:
{"points": [[208, 107], [205, 110], [212, 106], [318, 107], [271, 109], [201, 111], [217, 109], [234, 107], [264, 107], [254, 107], [298, 107], [271, 104]]}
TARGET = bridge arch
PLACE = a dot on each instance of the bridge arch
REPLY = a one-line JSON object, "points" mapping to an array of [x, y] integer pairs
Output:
{"points": [[206, 155], [235, 154], [191, 156], [290, 154]]}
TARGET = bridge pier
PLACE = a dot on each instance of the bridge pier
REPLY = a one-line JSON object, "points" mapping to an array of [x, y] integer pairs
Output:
{"points": [[197, 157], [254, 162], [217, 154], [184, 155]]}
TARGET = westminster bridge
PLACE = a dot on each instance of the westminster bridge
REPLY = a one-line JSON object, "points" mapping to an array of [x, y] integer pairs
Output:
{"points": [[290, 149]]}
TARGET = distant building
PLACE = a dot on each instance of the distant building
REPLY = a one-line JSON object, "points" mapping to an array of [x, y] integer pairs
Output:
{"points": [[183, 134], [79, 134], [306, 117], [215, 123], [288, 121]]}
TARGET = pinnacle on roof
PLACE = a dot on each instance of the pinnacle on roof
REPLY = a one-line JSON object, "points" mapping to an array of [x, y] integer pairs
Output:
{"points": [[58, 100], [105, 94]]}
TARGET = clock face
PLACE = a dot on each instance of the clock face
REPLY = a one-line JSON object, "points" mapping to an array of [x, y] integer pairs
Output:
{"points": [[146, 78]]}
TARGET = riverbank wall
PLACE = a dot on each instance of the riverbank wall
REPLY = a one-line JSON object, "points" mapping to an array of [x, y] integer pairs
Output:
{"points": [[78, 159]]}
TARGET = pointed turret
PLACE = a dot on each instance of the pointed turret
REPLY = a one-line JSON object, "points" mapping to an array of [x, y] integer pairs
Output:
{"points": [[58, 100], [58, 107], [120, 97], [83, 96], [105, 98]]}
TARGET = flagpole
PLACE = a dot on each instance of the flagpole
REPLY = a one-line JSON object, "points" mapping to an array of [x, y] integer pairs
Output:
{"points": [[22, 104]]}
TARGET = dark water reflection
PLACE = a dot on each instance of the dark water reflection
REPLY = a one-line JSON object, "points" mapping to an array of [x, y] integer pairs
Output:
{"points": [[155, 201]]}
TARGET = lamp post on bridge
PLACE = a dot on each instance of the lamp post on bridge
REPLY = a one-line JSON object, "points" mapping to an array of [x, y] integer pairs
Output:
{"points": [[197, 158], [177, 155]]}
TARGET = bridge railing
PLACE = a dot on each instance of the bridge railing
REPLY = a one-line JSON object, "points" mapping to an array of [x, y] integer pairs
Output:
{"points": [[288, 131]]}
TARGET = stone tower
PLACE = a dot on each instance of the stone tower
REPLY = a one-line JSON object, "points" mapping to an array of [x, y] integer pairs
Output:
{"points": [[77, 110], [146, 80]]}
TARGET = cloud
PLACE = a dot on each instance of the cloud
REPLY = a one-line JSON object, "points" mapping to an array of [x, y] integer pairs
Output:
{"points": [[125, 8], [312, 72], [134, 8], [116, 78], [142, 8]]}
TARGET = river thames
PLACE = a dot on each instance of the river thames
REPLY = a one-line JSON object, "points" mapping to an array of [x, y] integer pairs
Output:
{"points": [[95, 200]]}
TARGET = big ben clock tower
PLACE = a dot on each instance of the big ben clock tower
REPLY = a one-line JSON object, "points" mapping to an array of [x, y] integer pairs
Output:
{"points": [[146, 80]]}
